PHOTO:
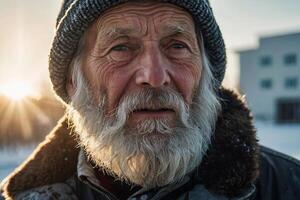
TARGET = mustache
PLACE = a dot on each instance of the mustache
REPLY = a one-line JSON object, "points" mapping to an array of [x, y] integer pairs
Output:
{"points": [[153, 99]]}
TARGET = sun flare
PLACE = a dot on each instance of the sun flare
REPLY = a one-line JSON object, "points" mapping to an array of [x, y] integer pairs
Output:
{"points": [[17, 91], [21, 107]]}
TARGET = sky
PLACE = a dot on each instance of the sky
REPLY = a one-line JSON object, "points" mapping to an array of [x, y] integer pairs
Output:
{"points": [[242, 22], [27, 29]]}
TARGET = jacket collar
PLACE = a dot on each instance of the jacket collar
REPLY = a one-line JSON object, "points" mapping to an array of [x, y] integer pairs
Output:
{"points": [[86, 174], [229, 168]]}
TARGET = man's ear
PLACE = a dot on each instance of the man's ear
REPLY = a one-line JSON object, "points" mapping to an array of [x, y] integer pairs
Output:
{"points": [[70, 86]]}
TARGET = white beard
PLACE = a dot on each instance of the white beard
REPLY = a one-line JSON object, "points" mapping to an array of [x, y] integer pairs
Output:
{"points": [[154, 153]]}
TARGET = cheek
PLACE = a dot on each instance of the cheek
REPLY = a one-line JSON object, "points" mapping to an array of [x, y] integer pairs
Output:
{"points": [[116, 85], [103, 74], [186, 76]]}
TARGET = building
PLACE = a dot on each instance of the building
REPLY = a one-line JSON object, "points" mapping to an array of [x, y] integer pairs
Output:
{"points": [[270, 78]]}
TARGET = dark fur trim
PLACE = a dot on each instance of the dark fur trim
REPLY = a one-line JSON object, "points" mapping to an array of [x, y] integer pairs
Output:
{"points": [[232, 162], [230, 166]]}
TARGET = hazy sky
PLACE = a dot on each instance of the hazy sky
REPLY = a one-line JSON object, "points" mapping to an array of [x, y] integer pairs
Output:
{"points": [[27, 27], [244, 21]]}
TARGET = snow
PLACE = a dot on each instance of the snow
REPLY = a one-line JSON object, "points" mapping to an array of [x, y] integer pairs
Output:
{"points": [[284, 138], [11, 157]]}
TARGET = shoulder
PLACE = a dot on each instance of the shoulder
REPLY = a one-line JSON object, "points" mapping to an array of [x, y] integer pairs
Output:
{"points": [[279, 175], [275, 160], [59, 191]]}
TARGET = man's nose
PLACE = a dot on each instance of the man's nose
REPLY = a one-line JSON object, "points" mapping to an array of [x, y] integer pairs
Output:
{"points": [[154, 69]]}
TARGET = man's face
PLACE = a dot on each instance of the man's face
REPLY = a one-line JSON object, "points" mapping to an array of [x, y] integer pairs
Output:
{"points": [[139, 108], [142, 45]]}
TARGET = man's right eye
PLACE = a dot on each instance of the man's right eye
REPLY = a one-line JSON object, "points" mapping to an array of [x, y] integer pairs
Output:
{"points": [[120, 47], [121, 52]]}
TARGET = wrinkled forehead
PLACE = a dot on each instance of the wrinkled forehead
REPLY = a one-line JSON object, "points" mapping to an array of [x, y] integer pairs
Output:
{"points": [[132, 17]]}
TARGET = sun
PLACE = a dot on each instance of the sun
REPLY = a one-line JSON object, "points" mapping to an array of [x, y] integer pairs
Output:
{"points": [[17, 90]]}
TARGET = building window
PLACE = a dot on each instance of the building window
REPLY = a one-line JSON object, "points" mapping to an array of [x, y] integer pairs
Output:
{"points": [[290, 59], [288, 111], [291, 82], [266, 84], [266, 61]]}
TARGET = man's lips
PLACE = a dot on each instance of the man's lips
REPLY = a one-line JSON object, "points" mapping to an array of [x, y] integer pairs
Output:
{"points": [[153, 113], [153, 110]]}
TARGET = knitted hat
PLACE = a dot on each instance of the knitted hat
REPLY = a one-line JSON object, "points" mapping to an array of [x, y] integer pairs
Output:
{"points": [[77, 15]]}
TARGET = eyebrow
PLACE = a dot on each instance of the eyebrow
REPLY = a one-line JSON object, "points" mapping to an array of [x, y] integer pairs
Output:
{"points": [[116, 32], [177, 30], [174, 29]]}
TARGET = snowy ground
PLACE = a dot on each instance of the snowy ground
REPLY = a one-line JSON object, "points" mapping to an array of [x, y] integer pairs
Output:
{"points": [[11, 158], [284, 138]]}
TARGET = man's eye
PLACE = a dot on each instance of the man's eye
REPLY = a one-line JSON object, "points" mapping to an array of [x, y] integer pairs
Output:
{"points": [[120, 47], [121, 52], [178, 50], [178, 46]]}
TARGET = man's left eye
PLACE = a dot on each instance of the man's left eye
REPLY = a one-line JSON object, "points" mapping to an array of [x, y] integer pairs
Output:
{"points": [[178, 46], [120, 48]]}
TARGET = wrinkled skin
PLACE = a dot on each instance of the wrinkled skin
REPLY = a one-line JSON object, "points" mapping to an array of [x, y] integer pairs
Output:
{"points": [[141, 45]]}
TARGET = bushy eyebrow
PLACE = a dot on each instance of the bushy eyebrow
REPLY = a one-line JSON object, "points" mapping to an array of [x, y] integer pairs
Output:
{"points": [[113, 33], [178, 30], [173, 29]]}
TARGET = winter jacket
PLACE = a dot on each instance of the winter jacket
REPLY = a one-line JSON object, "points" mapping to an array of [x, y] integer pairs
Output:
{"points": [[235, 167]]}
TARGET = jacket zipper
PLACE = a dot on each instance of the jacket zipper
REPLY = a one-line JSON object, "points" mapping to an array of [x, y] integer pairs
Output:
{"points": [[101, 190]]}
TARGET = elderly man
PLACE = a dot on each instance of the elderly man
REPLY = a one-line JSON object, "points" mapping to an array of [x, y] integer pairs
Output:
{"points": [[146, 115]]}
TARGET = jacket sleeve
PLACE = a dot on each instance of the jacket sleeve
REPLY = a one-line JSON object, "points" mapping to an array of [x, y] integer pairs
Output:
{"points": [[279, 176]]}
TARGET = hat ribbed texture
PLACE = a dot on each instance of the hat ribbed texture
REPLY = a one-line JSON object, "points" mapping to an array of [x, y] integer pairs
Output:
{"points": [[77, 15]]}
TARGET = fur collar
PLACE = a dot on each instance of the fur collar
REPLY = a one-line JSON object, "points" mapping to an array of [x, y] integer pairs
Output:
{"points": [[229, 168]]}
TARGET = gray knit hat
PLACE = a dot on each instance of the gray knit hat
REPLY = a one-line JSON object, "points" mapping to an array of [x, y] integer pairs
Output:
{"points": [[76, 15]]}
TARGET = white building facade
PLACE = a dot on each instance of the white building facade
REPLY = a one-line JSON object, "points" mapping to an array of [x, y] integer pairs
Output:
{"points": [[270, 78]]}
